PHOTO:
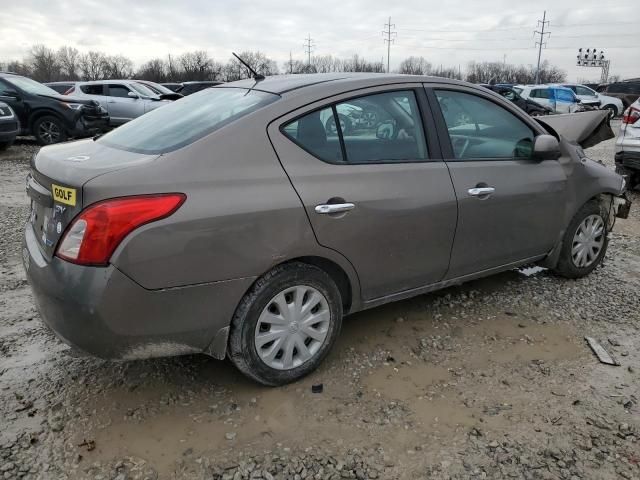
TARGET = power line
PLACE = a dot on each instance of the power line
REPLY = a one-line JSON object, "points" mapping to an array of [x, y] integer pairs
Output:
{"points": [[541, 43], [308, 48], [390, 38]]}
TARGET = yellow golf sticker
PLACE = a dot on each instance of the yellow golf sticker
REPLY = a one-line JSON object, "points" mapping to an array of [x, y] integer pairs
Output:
{"points": [[64, 195]]}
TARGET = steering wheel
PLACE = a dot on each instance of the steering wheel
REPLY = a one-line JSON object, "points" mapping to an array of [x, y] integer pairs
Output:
{"points": [[460, 145]]}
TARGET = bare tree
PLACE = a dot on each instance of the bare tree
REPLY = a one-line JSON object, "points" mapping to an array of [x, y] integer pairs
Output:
{"points": [[117, 66], [92, 65], [44, 64], [155, 70], [69, 61], [415, 66], [359, 64]]}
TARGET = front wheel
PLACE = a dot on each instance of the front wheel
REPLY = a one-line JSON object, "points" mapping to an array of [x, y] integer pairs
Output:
{"points": [[48, 130], [585, 242], [286, 324]]}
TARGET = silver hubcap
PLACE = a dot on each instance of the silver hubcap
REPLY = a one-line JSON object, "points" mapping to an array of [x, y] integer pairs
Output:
{"points": [[588, 241], [292, 327], [49, 132]]}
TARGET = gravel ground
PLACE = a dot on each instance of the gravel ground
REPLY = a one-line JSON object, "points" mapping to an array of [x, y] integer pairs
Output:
{"points": [[489, 380]]}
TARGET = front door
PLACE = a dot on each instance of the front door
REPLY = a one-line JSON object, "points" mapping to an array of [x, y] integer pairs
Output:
{"points": [[373, 185], [509, 204], [121, 106]]}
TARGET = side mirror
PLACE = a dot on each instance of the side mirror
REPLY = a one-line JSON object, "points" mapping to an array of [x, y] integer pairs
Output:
{"points": [[133, 95], [578, 100], [386, 131], [546, 147]]}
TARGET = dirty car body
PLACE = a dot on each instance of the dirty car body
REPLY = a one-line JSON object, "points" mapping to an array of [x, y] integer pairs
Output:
{"points": [[234, 223]]}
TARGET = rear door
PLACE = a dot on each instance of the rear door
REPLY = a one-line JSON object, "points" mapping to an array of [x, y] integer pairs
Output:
{"points": [[121, 106], [373, 184], [508, 203]]}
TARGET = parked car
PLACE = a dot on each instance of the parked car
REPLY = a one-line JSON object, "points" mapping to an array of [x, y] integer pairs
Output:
{"points": [[558, 99], [532, 108], [163, 92], [230, 223], [9, 126], [63, 88], [590, 97], [628, 145], [47, 115], [174, 87], [189, 88], [123, 99], [627, 91]]}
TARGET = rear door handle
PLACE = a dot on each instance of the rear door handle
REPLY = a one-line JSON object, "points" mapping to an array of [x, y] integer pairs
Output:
{"points": [[481, 191], [334, 208]]}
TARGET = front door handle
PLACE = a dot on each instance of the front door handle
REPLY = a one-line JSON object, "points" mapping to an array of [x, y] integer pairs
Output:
{"points": [[481, 191], [334, 208]]}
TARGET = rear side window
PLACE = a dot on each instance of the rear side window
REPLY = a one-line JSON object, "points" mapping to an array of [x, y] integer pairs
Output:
{"points": [[317, 133], [480, 129], [380, 128], [183, 122], [540, 93], [118, 91], [92, 89]]}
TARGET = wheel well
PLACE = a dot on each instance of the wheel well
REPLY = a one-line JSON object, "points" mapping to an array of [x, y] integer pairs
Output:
{"points": [[611, 105], [336, 273], [41, 113]]}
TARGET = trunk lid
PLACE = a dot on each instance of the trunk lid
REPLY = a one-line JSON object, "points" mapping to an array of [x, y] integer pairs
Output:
{"points": [[55, 184]]}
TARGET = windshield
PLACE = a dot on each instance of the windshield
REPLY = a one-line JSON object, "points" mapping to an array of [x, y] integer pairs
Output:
{"points": [[183, 122], [30, 86], [157, 88], [143, 90]]}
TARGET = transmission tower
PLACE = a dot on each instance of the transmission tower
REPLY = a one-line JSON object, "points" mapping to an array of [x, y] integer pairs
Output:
{"points": [[389, 38], [542, 24], [308, 48]]}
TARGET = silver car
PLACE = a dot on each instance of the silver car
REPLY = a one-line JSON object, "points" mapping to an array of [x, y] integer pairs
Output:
{"points": [[123, 99], [590, 97], [234, 223], [628, 145]]}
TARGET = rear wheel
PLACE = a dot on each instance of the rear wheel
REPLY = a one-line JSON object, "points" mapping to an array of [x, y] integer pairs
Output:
{"points": [[286, 324], [585, 242], [48, 130]]}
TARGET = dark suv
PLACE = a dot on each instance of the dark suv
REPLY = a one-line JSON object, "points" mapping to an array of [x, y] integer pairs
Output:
{"points": [[47, 115], [529, 106], [627, 91]]}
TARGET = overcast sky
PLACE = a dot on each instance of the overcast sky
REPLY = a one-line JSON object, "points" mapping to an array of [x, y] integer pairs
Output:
{"points": [[445, 32]]}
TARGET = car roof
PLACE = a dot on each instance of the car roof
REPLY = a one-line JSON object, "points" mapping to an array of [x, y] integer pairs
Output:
{"points": [[280, 84], [93, 82]]}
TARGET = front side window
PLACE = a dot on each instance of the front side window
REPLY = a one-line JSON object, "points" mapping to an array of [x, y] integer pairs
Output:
{"points": [[95, 89], [587, 92], [481, 129], [379, 128], [183, 122], [564, 95], [118, 91]]}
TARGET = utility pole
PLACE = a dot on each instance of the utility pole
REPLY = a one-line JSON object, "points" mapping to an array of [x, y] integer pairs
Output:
{"points": [[390, 37], [308, 47], [541, 42], [290, 62]]}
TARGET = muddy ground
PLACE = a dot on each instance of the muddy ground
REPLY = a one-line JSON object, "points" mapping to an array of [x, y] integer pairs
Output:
{"points": [[489, 380]]}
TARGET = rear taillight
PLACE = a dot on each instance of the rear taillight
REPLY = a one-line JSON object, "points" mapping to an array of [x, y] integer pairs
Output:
{"points": [[631, 115], [94, 234]]}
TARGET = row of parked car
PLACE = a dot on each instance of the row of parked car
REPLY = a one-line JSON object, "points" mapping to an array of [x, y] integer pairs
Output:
{"points": [[559, 98], [55, 111]]}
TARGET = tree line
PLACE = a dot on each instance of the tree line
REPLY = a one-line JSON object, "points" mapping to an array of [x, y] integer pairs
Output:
{"points": [[68, 63]]}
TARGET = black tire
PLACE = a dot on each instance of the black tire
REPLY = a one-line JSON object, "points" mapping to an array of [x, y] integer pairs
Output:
{"points": [[51, 124], [566, 266], [345, 124], [633, 176], [5, 145], [242, 349], [613, 111]]}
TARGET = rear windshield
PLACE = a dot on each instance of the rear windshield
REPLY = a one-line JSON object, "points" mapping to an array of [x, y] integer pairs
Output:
{"points": [[186, 120]]}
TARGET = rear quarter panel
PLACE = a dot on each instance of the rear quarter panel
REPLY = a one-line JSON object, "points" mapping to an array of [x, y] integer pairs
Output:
{"points": [[241, 216]]}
